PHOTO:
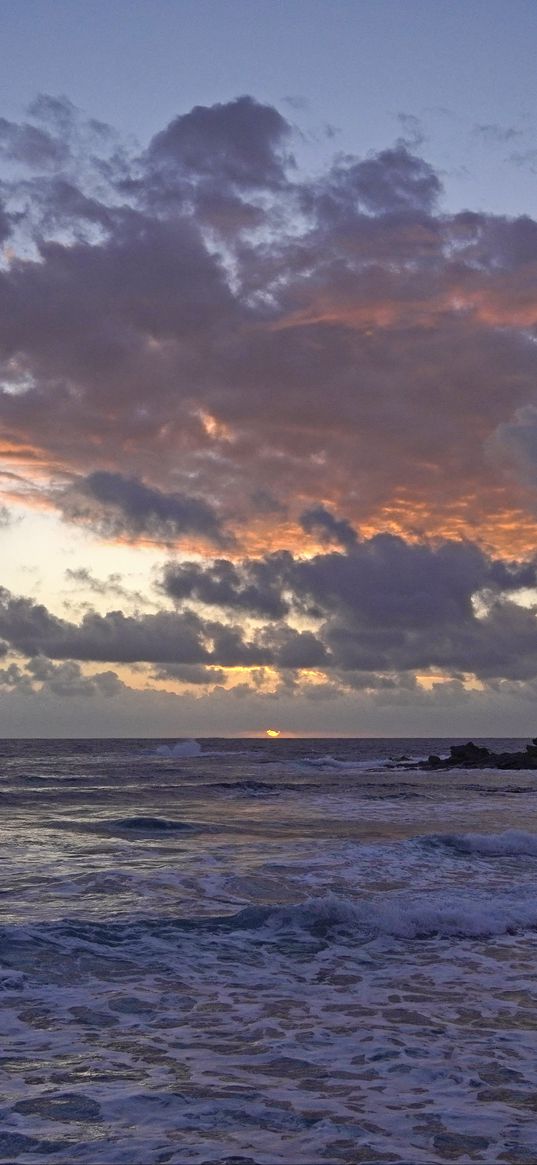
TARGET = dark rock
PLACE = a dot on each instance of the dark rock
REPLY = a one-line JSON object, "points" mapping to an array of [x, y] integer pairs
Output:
{"points": [[468, 753], [474, 756]]}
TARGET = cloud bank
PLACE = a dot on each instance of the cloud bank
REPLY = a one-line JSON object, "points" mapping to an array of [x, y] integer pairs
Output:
{"points": [[318, 394]]}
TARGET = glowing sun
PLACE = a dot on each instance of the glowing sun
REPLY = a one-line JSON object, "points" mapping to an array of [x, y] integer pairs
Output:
{"points": [[273, 731]]}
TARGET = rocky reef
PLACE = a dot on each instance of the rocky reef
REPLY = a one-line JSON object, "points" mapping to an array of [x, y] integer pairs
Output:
{"points": [[475, 756]]}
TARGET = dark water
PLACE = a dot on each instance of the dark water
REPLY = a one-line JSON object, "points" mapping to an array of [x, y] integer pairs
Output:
{"points": [[265, 951]]}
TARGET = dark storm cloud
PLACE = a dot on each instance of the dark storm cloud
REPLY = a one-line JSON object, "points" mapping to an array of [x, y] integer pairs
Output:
{"points": [[203, 320], [127, 508], [320, 521], [385, 606], [249, 587], [296, 649], [382, 580], [164, 637]]}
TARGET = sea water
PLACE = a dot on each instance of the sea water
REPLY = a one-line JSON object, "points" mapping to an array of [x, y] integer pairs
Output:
{"points": [[265, 951]]}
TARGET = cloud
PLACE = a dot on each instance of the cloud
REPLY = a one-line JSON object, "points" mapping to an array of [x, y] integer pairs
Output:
{"points": [[248, 587], [116, 506], [413, 135], [296, 649], [67, 679], [190, 673], [382, 610], [165, 637], [112, 585], [392, 182], [239, 143], [320, 521], [365, 353], [64, 680], [494, 134], [515, 443], [385, 606], [31, 145], [5, 224]]}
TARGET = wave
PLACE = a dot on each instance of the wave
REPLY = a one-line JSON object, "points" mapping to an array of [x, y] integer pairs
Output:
{"points": [[328, 762], [510, 843], [250, 787], [145, 825], [186, 748], [441, 915], [191, 749], [330, 919]]}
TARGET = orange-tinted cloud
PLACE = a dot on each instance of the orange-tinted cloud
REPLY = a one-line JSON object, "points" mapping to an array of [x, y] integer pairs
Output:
{"points": [[345, 344]]}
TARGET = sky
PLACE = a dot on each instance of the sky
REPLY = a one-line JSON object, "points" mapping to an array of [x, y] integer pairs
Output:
{"points": [[268, 368]]}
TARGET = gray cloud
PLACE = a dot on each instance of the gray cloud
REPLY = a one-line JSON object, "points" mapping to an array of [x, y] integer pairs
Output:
{"points": [[386, 606], [249, 587], [413, 135], [239, 142], [327, 527], [190, 673], [112, 585], [164, 637], [67, 679], [6, 223], [64, 680], [515, 442], [126, 507], [497, 135], [318, 338], [393, 182], [296, 649], [199, 338], [31, 145]]}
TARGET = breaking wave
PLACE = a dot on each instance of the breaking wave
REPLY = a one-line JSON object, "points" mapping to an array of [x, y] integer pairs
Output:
{"points": [[331, 763], [510, 843], [441, 915], [190, 748]]}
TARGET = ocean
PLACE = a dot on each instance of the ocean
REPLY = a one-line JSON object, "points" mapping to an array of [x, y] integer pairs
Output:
{"points": [[278, 951]]}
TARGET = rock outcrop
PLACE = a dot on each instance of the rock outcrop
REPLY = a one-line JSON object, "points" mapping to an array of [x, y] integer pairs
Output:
{"points": [[474, 756]]}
